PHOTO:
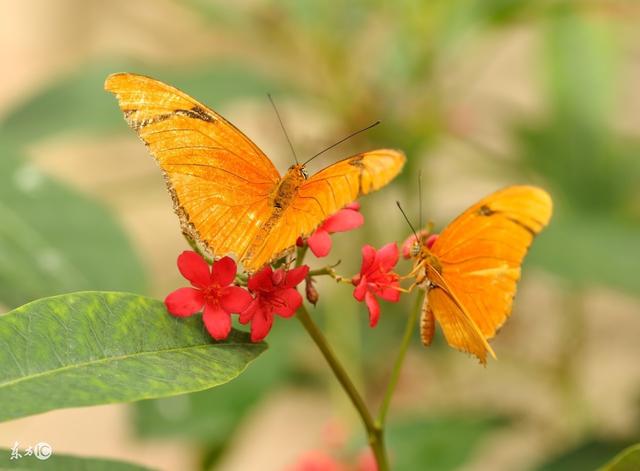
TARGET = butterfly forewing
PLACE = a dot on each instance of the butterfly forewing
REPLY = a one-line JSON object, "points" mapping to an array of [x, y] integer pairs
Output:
{"points": [[219, 180], [341, 183], [164, 117]]}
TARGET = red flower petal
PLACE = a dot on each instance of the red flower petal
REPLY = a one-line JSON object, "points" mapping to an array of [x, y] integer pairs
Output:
{"points": [[320, 243], [316, 460], [355, 206], [261, 279], [343, 220], [194, 268], [431, 240], [278, 277], [235, 299], [389, 294], [367, 461], [368, 257], [387, 256], [361, 289], [260, 325], [295, 276], [217, 321], [184, 302], [374, 308], [249, 311], [223, 271], [290, 301]]}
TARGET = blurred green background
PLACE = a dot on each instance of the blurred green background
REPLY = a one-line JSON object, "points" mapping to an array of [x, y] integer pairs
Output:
{"points": [[479, 94]]}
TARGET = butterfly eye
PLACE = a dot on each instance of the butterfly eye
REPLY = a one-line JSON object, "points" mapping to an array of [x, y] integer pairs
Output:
{"points": [[415, 250], [304, 173]]}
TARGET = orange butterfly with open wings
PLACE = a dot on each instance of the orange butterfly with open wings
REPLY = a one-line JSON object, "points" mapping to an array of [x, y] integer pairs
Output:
{"points": [[227, 193], [472, 268]]}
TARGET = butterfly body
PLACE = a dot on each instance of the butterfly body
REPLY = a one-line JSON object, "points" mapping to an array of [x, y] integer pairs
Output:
{"points": [[430, 263], [471, 270], [287, 189], [228, 195]]}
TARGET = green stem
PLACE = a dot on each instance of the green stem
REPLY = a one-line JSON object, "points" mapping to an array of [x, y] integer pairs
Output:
{"points": [[300, 253], [320, 272], [374, 432], [397, 367], [197, 249], [329, 271]]}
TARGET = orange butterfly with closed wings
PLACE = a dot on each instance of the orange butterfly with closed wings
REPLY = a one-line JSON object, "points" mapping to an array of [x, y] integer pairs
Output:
{"points": [[227, 193], [472, 268]]}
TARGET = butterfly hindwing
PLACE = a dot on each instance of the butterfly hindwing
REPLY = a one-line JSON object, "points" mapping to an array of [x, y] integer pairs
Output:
{"points": [[459, 330], [480, 254], [323, 194]]}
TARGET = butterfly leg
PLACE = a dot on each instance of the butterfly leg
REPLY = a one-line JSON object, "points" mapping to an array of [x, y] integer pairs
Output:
{"points": [[413, 271]]}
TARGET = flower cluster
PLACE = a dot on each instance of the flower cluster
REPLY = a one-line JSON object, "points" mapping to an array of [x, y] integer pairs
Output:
{"points": [[377, 279], [270, 292], [219, 293]]}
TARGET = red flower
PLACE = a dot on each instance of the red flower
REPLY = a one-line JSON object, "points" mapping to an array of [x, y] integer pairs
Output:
{"points": [[367, 461], [377, 279], [275, 293], [344, 220], [425, 237], [212, 289], [316, 460]]}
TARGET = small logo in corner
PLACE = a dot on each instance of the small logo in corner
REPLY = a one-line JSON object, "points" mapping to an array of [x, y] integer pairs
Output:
{"points": [[42, 451]]}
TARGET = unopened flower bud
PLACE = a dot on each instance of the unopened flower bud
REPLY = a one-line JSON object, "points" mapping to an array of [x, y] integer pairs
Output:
{"points": [[310, 291]]}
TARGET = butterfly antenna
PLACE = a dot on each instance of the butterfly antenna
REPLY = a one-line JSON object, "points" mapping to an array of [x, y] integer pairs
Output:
{"points": [[407, 219], [283, 128], [420, 198], [341, 141]]}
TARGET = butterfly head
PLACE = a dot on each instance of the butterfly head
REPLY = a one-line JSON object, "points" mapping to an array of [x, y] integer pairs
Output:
{"points": [[418, 244], [297, 172], [416, 248]]}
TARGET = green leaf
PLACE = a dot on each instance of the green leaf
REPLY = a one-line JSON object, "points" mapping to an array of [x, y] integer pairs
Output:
{"points": [[627, 460], [586, 456], [98, 348], [589, 249], [211, 416], [576, 147], [438, 444], [78, 102], [582, 65], [53, 239], [595, 171], [63, 463]]}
